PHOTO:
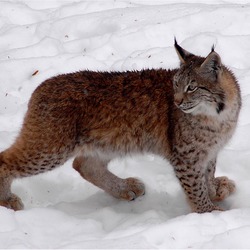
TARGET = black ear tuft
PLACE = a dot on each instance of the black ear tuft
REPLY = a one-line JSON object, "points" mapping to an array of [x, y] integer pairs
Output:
{"points": [[212, 49], [182, 53]]}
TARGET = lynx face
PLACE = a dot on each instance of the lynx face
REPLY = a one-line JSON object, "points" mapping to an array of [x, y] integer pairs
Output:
{"points": [[197, 84]]}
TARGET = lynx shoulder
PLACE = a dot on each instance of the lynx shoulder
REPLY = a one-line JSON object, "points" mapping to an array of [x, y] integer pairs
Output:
{"points": [[185, 115]]}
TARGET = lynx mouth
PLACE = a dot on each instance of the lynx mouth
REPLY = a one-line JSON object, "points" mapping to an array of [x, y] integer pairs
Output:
{"points": [[188, 109]]}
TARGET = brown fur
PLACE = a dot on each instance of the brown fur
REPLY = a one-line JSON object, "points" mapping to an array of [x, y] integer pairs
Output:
{"points": [[97, 116]]}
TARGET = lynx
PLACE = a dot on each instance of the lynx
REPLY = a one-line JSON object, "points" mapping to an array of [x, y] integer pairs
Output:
{"points": [[185, 115]]}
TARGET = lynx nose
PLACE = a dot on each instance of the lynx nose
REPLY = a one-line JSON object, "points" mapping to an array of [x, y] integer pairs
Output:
{"points": [[178, 99]]}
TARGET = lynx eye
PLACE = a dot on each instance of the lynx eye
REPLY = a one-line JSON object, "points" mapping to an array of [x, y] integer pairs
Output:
{"points": [[191, 88]]}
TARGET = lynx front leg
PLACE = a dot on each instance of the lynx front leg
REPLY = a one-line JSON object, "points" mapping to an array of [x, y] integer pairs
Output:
{"points": [[95, 171], [219, 187], [194, 183]]}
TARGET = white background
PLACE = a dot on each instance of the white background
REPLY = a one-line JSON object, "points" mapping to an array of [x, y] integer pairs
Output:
{"points": [[61, 209]]}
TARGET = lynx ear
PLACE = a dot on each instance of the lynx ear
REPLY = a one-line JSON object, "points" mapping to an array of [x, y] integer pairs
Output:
{"points": [[211, 68], [182, 53]]}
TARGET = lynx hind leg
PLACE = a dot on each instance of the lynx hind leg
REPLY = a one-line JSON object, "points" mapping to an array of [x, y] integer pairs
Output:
{"points": [[16, 163], [7, 199], [12, 202], [220, 187], [95, 171]]}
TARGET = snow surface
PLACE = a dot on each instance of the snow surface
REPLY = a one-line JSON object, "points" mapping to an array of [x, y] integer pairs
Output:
{"points": [[39, 39]]}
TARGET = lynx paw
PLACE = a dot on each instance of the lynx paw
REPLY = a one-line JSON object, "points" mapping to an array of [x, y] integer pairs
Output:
{"points": [[131, 189], [224, 187], [14, 202], [207, 209], [205, 206]]}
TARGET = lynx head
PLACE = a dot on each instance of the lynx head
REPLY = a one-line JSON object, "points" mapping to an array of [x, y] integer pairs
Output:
{"points": [[197, 83]]}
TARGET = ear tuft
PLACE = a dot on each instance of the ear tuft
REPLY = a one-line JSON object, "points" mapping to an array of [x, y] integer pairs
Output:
{"points": [[211, 68], [182, 53]]}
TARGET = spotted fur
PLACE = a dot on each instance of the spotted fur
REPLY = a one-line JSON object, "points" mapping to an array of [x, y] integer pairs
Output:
{"points": [[185, 115]]}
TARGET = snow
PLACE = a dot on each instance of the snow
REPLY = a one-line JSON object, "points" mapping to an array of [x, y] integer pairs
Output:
{"points": [[40, 39]]}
